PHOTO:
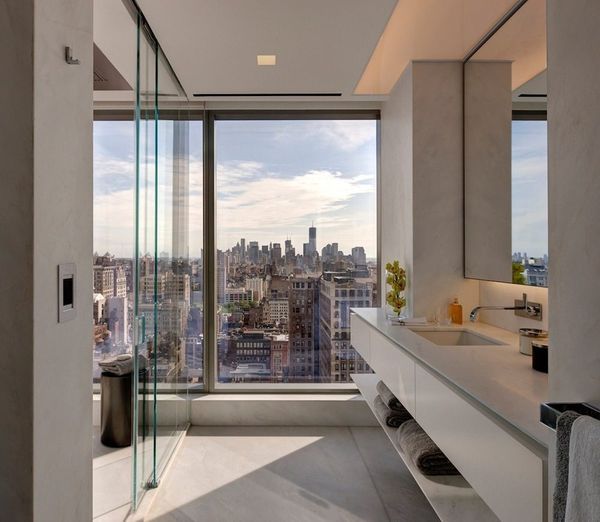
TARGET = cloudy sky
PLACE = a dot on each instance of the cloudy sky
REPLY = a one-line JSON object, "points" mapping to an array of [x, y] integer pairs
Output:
{"points": [[530, 188], [274, 179]]}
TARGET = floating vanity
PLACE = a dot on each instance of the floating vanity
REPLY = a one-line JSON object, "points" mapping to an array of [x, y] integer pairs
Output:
{"points": [[478, 399]]}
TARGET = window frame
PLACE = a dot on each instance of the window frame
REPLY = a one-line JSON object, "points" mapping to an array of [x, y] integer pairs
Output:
{"points": [[209, 117], [211, 384]]}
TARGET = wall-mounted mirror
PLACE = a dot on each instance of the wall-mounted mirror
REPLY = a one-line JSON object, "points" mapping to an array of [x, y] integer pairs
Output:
{"points": [[506, 183]]}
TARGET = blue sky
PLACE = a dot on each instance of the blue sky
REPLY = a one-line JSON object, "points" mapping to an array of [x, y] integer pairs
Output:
{"points": [[530, 188], [274, 179]]}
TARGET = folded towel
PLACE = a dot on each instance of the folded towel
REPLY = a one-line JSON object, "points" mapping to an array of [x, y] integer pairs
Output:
{"points": [[422, 451], [583, 500], [392, 417], [121, 364], [563, 436], [389, 399]]}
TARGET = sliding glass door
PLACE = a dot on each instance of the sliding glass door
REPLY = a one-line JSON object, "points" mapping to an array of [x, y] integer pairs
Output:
{"points": [[163, 268], [148, 268]]}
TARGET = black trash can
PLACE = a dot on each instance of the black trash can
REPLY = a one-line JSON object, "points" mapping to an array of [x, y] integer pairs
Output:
{"points": [[115, 410]]}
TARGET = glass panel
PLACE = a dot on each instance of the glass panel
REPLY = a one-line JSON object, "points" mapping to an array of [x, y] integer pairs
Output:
{"points": [[179, 237], [530, 202], [114, 186], [148, 238], [296, 234], [146, 282]]}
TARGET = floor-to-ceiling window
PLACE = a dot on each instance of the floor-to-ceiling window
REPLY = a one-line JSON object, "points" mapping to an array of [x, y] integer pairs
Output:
{"points": [[174, 279], [114, 186], [296, 245], [530, 200], [293, 215]]}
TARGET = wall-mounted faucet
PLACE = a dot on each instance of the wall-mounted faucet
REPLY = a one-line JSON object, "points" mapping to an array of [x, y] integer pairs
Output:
{"points": [[523, 308]]}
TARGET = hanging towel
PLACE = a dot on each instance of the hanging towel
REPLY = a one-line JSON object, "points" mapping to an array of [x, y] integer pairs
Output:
{"points": [[422, 451], [563, 435], [388, 398], [392, 417], [583, 495]]}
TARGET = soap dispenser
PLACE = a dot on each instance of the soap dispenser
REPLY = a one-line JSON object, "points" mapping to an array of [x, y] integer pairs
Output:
{"points": [[455, 312]]}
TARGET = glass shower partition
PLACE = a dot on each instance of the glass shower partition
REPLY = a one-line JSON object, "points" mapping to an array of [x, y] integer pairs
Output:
{"points": [[161, 273], [145, 277]]}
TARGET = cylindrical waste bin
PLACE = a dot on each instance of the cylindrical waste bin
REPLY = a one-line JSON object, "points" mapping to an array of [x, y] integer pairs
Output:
{"points": [[115, 410]]}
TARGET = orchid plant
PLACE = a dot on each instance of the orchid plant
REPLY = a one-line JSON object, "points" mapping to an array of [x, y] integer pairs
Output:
{"points": [[396, 282]]}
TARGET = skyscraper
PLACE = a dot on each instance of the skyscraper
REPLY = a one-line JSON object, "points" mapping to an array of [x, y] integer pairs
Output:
{"points": [[181, 190], [338, 293], [243, 249], [359, 257], [312, 240], [253, 252], [303, 328], [276, 252]]}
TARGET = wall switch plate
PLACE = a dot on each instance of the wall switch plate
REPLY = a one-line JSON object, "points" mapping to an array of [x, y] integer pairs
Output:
{"points": [[66, 292]]}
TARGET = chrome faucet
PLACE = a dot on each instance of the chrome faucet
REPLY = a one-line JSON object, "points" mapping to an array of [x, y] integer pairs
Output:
{"points": [[531, 310]]}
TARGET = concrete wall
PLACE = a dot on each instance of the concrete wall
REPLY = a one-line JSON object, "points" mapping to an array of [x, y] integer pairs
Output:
{"points": [[491, 293], [396, 179], [422, 176], [46, 137], [16, 259], [488, 164], [574, 187]]}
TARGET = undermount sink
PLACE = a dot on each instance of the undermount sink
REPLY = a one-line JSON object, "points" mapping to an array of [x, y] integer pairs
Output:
{"points": [[454, 338]]}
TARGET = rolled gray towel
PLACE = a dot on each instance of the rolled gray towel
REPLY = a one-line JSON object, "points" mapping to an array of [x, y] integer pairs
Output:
{"points": [[392, 417], [388, 398], [423, 452], [563, 438]]}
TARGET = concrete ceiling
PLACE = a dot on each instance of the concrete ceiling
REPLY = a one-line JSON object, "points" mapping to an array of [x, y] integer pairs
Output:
{"points": [[115, 36], [357, 48], [522, 41], [428, 30], [322, 46]]}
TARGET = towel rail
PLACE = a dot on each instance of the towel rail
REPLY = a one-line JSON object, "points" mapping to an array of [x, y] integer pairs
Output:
{"points": [[550, 411]]}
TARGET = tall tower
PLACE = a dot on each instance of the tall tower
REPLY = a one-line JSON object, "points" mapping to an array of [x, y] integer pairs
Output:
{"points": [[181, 189], [312, 240]]}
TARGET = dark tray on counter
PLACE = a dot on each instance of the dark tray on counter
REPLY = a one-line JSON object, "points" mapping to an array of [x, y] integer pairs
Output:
{"points": [[550, 411]]}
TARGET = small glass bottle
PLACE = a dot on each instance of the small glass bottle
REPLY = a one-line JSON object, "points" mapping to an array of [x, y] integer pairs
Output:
{"points": [[455, 312]]}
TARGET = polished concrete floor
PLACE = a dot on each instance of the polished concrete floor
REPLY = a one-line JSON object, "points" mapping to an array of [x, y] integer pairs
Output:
{"points": [[291, 474], [112, 474]]}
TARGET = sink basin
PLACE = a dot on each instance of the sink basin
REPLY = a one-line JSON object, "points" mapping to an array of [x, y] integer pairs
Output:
{"points": [[454, 338]]}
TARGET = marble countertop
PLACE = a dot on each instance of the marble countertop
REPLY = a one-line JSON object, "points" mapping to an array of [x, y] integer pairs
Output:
{"points": [[498, 377]]}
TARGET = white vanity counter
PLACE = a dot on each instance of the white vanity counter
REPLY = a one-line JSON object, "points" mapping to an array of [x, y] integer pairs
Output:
{"points": [[477, 397], [498, 377]]}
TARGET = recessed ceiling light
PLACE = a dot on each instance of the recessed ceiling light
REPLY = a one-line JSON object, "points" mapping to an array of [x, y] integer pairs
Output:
{"points": [[266, 59]]}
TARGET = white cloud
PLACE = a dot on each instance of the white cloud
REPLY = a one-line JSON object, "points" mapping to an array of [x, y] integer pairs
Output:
{"points": [[345, 135], [265, 207]]}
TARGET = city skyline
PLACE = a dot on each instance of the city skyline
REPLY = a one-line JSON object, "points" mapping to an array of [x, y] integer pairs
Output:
{"points": [[274, 178]]}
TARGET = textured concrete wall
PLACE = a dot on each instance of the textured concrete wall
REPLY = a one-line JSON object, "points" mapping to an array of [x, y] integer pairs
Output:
{"points": [[573, 192], [422, 185], [46, 202]]}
